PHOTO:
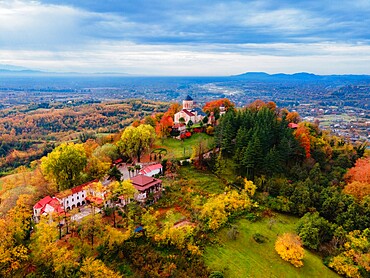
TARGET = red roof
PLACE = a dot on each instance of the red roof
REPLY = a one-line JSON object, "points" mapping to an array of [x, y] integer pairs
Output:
{"points": [[292, 125], [141, 182], [56, 205], [94, 199], [81, 187], [42, 203], [151, 168], [53, 202], [118, 161], [188, 113]]}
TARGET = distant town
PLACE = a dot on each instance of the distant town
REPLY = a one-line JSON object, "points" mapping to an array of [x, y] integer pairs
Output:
{"points": [[339, 104]]}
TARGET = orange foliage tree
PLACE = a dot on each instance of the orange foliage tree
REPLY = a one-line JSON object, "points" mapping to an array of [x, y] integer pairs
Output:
{"points": [[259, 104], [361, 171], [289, 247], [302, 134], [214, 106], [293, 117], [358, 179]]}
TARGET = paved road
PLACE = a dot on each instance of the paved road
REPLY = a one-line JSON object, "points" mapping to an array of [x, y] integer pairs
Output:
{"points": [[85, 211]]}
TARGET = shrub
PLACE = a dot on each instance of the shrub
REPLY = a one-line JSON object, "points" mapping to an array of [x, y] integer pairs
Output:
{"points": [[216, 274], [260, 238]]}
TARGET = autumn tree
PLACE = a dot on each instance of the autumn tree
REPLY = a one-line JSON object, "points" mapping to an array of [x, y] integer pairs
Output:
{"points": [[249, 187], [216, 210], [289, 247], [51, 258], [96, 168], [149, 221], [293, 117], [92, 228], [358, 179], [163, 127], [214, 106], [93, 268], [260, 104], [14, 230], [354, 258], [64, 165], [107, 152], [179, 236], [303, 136], [123, 189], [135, 140]]}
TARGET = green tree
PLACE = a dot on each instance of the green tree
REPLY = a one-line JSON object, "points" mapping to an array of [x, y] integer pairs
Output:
{"points": [[314, 230], [64, 165], [135, 140]]}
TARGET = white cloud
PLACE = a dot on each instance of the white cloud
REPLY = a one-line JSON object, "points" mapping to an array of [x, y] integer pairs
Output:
{"points": [[189, 61], [66, 38]]}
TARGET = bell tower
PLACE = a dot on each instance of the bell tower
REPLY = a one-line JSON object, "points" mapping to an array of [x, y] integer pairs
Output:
{"points": [[188, 103]]}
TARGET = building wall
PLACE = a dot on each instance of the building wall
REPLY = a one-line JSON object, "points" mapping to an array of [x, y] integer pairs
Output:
{"points": [[74, 200]]}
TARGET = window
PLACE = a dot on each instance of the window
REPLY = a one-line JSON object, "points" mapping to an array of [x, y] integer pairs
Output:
{"points": [[78, 198], [83, 195], [73, 200], [67, 201]]}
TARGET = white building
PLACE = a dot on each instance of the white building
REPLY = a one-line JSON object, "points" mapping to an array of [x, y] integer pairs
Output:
{"points": [[189, 112], [76, 196], [67, 200]]}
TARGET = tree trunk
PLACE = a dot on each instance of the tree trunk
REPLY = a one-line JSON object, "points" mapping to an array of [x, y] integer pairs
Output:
{"points": [[114, 216]]}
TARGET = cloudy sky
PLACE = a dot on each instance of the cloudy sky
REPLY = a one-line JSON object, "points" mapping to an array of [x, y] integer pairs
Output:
{"points": [[193, 37]]}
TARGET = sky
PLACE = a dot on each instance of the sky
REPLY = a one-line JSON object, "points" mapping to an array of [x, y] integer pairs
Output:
{"points": [[187, 38]]}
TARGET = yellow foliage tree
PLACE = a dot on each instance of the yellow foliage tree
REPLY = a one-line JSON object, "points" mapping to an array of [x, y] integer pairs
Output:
{"points": [[355, 255], [11, 255], [116, 237], [64, 165], [13, 230], [135, 140], [149, 221], [249, 187], [289, 247], [92, 268], [217, 209]]}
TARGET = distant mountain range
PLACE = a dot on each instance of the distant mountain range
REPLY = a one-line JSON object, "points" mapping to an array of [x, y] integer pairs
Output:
{"points": [[301, 76], [10, 70]]}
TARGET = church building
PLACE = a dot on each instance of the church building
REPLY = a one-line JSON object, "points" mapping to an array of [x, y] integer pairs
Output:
{"points": [[189, 112]]}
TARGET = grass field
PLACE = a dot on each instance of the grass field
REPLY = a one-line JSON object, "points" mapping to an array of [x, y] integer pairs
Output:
{"points": [[202, 180], [244, 257], [182, 149]]}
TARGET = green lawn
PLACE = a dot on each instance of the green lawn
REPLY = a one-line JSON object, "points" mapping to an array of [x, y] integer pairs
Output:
{"points": [[175, 217], [181, 149], [201, 180], [244, 257]]}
